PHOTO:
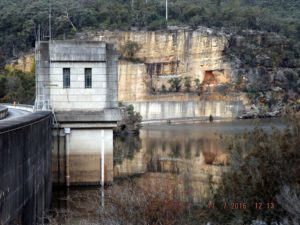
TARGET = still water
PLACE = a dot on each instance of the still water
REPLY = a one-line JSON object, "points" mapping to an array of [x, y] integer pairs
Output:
{"points": [[181, 157]]}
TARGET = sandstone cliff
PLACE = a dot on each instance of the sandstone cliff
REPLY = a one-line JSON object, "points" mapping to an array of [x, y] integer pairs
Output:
{"points": [[26, 63], [179, 73], [164, 55]]}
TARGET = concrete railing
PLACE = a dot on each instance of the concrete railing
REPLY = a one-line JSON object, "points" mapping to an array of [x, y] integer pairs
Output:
{"points": [[3, 112]]}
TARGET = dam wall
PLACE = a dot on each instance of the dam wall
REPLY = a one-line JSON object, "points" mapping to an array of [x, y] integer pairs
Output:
{"points": [[172, 110], [25, 168]]}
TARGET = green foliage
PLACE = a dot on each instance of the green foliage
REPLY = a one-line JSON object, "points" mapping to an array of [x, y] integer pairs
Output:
{"points": [[129, 49], [187, 84], [292, 78], [20, 19], [261, 165], [197, 84], [163, 88], [17, 86], [224, 89], [131, 122], [175, 84], [269, 50]]}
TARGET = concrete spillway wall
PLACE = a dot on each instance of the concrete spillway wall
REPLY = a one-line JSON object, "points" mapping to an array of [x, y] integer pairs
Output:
{"points": [[25, 168], [165, 110]]}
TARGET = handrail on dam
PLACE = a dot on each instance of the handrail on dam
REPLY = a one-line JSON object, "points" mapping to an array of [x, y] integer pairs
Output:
{"points": [[3, 112]]}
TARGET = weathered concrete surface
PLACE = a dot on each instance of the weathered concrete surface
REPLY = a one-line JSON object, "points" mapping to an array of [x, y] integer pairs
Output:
{"points": [[84, 117], [164, 110], [3, 112], [53, 57], [25, 168], [106, 115], [76, 157], [77, 51]]}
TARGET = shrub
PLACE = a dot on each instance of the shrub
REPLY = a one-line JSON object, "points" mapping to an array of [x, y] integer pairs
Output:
{"points": [[261, 165], [163, 88], [129, 49], [197, 85], [158, 24], [187, 84], [175, 84], [131, 122]]}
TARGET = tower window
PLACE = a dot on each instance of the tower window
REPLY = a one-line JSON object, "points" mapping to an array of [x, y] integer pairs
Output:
{"points": [[66, 77], [88, 77]]}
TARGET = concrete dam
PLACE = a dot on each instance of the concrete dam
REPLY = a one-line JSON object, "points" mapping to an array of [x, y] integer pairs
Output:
{"points": [[25, 168], [68, 140]]}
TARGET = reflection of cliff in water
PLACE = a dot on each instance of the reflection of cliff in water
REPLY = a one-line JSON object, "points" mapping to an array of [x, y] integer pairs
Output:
{"points": [[184, 155], [167, 155], [184, 147], [166, 151]]}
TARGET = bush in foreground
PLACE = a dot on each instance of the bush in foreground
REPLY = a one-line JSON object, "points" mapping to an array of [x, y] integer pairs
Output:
{"points": [[263, 166]]}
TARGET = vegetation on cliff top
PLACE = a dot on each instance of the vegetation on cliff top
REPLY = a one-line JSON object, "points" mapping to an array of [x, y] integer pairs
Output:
{"points": [[20, 19]]}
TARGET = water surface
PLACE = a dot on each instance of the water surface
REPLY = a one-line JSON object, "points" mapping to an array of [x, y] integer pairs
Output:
{"points": [[182, 157]]}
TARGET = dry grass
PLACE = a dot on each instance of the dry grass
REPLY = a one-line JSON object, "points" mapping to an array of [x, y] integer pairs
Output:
{"points": [[125, 204]]}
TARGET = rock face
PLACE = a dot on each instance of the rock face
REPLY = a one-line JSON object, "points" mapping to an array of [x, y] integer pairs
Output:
{"points": [[166, 55], [25, 63], [185, 67]]}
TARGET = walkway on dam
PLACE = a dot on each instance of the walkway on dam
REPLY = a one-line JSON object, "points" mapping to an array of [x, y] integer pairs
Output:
{"points": [[12, 113], [17, 111]]}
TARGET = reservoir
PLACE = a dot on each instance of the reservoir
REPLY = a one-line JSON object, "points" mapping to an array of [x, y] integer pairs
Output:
{"points": [[173, 159]]}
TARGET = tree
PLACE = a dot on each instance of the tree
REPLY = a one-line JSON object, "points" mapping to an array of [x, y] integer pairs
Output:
{"points": [[68, 17], [17, 86], [258, 173], [131, 122]]}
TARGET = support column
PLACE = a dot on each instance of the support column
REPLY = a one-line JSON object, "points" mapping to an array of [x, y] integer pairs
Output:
{"points": [[67, 146]]}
